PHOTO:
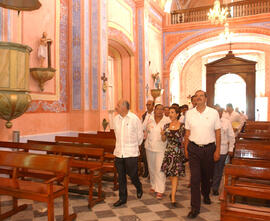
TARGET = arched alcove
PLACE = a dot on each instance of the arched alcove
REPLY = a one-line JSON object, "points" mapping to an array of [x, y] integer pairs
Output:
{"points": [[231, 64]]}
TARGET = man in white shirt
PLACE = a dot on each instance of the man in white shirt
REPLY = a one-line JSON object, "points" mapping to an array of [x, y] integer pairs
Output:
{"points": [[166, 111], [202, 148], [155, 149], [129, 135], [145, 118], [234, 118], [149, 113], [227, 145], [184, 109]]}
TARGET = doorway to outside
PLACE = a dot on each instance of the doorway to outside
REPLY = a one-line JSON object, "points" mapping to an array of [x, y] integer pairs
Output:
{"points": [[231, 88]]}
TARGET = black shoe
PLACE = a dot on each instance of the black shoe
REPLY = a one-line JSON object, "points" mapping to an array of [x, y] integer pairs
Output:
{"points": [[174, 204], [193, 214], [119, 203], [215, 193], [207, 200], [139, 193]]}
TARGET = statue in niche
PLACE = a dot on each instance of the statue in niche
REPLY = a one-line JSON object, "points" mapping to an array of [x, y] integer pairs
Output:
{"points": [[156, 79], [42, 49]]}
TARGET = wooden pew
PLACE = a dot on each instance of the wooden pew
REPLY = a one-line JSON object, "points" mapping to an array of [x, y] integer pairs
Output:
{"points": [[80, 159], [255, 135], [251, 153], [251, 126], [45, 191], [236, 211], [100, 134], [107, 144]]}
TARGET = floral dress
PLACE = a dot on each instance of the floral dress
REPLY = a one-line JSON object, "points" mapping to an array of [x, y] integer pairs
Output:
{"points": [[174, 157]]}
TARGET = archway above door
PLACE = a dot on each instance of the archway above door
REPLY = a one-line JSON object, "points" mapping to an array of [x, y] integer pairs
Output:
{"points": [[231, 64]]}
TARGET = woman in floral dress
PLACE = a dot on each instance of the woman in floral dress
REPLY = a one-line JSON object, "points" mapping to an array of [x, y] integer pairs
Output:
{"points": [[174, 157]]}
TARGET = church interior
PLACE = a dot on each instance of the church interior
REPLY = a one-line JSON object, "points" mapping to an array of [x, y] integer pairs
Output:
{"points": [[66, 63]]}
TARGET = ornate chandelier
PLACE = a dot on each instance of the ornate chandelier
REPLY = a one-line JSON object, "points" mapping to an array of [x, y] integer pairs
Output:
{"points": [[226, 35], [218, 15]]}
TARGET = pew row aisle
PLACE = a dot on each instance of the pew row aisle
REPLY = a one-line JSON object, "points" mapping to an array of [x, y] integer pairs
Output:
{"points": [[246, 192]]}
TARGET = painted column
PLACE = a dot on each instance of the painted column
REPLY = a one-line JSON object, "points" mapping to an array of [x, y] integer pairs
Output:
{"points": [[86, 54], [99, 57], [1, 24], [104, 49], [141, 55], [166, 87], [76, 55], [94, 54]]}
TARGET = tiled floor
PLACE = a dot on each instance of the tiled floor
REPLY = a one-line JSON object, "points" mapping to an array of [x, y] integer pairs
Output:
{"points": [[146, 209]]}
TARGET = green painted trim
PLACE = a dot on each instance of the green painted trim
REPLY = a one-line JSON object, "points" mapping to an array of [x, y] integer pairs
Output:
{"points": [[43, 69], [15, 46]]}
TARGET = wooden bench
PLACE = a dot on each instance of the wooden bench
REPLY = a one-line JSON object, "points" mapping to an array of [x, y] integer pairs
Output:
{"points": [[107, 144], [45, 191], [237, 211], [251, 126], [80, 159], [255, 135], [99, 134]]}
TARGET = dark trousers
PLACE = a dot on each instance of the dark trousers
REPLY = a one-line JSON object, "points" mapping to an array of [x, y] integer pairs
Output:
{"points": [[201, 162], [127, 166], [218, 171]]}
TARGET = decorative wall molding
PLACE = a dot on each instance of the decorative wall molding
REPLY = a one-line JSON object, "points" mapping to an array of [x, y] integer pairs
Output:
{"points": [[141, 57], [76, 54], [94, 53]]}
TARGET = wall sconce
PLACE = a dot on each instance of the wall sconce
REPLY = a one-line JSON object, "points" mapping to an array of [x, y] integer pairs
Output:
{"points": [[41, 75], [104, 82], [105, 123]]}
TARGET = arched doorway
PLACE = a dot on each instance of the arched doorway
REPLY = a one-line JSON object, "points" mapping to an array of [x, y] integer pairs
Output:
{"points": [[231, 64], [231, 88]]}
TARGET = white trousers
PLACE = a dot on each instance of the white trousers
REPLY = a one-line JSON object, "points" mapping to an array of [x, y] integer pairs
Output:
{"points": [[157, 177]]}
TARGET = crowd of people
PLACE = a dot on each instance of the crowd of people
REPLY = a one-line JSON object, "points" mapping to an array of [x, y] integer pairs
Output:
{"points": [[170, 137]]}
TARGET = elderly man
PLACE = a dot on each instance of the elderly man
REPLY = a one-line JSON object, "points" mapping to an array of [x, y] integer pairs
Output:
{"points": [[129, 135], [155, 149], [227, 145], [234, 117], [145, 118], [202, 148]]}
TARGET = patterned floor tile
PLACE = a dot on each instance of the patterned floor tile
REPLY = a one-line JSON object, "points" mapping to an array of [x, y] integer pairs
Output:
{"points": [[146, 209]]}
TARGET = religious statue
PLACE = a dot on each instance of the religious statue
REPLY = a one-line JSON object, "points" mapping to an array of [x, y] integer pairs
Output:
{"points": [[42, 49], [156, 79]]}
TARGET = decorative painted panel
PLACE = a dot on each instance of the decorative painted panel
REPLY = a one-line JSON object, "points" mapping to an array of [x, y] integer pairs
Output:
{"points": [[76, 54], [94, 53], [140, 63], [86, 53], [8, 25], [104, 47], [166, 92], [1, 23]]}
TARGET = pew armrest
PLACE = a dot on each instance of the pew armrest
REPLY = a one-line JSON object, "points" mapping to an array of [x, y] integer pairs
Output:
{"points": [[55, 179]]}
